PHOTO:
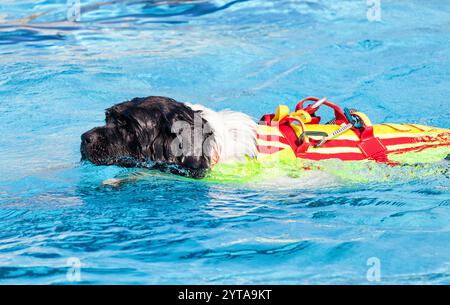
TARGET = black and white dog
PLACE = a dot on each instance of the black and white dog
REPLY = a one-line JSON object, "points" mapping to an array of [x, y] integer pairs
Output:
{"points": [[161, 133]]}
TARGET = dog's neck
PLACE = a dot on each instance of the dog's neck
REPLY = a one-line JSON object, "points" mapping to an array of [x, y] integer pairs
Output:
{"points": [[234, 134]]}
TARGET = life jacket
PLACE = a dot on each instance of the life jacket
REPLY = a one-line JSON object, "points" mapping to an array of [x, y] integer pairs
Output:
{"points": [[350, 136]]}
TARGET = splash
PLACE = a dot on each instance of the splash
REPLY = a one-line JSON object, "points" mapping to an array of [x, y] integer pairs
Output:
{"points": [[285, 171]]}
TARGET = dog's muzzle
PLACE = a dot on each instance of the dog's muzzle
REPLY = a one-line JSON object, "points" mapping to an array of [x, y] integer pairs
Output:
{"points": [[88, 139]]}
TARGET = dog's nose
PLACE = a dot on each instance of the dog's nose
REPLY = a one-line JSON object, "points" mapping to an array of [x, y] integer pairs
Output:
{"points": [[89, 137]]}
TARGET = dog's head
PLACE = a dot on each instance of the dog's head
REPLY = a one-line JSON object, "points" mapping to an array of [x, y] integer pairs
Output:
{"points": [[158, 132]]}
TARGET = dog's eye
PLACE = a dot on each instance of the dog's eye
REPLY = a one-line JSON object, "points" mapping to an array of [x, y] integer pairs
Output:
{"points": [[107, 117]]}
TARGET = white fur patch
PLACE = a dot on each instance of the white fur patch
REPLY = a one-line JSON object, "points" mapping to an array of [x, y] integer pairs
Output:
{"points": [[234, 132]]}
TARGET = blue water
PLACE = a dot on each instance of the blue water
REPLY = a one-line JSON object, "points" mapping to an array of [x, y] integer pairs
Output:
{"points": [[57, 77]]}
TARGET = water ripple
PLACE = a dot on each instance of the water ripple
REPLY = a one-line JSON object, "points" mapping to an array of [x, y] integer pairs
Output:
{"points": [[24, 35], [318, 226]]}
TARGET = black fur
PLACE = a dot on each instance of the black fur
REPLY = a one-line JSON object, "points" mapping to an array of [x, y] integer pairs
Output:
{"points": [[138, 133]]}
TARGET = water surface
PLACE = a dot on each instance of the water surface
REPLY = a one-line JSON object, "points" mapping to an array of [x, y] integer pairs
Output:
{"points": [[57, 77]]}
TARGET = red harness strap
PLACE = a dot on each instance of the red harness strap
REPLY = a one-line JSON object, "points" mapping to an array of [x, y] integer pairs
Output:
{"points": [[371, 146], [289, 133]]}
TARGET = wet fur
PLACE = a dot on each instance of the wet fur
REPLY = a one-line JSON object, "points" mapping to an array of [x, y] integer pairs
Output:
{"points": [[138, 133]]}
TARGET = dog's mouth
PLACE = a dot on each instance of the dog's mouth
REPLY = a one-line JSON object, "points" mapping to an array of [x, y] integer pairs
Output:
{"points": [[90, 153], [99, 155], [92, 156], [88, 158]]}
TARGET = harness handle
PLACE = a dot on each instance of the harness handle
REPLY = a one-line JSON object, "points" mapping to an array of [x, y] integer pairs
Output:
{"points": [[311, 109], [299, 144]]}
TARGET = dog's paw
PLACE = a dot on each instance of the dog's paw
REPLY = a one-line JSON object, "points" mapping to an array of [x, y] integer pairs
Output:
{"points": [[114, 182]]}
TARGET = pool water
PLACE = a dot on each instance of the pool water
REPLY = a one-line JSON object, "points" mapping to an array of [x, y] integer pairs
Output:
{"points": [[346, 224]]}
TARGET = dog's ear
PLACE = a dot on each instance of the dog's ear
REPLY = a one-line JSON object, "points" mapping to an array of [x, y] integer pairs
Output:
{"points": [[147, 127]]}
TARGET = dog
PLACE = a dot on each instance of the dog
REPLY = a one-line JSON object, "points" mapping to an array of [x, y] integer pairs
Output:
{"points": [[161, 133], [187, 139]]}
